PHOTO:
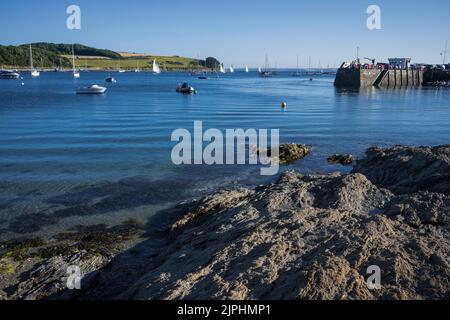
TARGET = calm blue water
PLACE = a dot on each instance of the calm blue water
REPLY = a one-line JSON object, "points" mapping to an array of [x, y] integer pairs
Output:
{"points": [[67, 159]]}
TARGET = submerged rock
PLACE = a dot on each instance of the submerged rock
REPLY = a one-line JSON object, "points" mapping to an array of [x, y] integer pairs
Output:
{"points": [[344, 159]]}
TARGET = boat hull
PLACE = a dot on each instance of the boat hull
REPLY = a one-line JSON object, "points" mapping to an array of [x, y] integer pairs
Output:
{"points": [[94, 90], [9, 76]]}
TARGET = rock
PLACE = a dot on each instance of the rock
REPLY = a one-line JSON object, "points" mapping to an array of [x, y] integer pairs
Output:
{"points": [[301, 237], [288, 153], [292, 152], [308, 237], [344, 159], [408, 169]]}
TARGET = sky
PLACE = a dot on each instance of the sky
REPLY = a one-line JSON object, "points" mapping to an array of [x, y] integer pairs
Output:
{"points": [[239, 32]]}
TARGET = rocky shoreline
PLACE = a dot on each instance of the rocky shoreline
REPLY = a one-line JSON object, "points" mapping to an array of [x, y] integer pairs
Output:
{"points": [[302, 237]]}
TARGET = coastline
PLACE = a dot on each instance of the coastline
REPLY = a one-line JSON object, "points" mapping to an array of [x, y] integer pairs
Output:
{"points": [[302, 237]]}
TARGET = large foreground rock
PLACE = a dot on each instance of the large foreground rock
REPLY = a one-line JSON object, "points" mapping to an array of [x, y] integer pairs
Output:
{"points": [[314, 237]]}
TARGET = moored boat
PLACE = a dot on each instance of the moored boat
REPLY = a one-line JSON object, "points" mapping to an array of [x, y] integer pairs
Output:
{"points": [[6, 74], [92, 89], [34, 72], [186, 88]]}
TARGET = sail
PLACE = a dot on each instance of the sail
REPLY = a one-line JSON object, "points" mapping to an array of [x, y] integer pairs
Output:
{"points": [[246, 68], [259, 69], [156, 68], [231, 69], [222, 70]]}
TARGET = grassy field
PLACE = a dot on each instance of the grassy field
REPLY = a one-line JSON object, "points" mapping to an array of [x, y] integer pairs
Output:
{"points": [[131, 63]]}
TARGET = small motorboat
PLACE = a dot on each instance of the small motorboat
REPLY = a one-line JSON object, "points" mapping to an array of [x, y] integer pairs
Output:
{"points": [[186, 88], [203, 78], [92, 89], [6, 74], [111, 80]]}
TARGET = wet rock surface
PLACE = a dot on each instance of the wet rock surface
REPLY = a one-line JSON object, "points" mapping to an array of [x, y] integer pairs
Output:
{"points": [[344, 159], [302, 237], [292, 152], [35, 269]]}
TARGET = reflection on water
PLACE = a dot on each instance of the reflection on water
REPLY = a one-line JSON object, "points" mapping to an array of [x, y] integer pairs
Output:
{"points": [[100, 157]]}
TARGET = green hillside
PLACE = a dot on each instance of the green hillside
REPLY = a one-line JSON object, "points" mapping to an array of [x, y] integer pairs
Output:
{"points": [[51, 55]]}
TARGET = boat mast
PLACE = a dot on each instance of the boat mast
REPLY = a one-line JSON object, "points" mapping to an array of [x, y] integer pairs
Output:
{"points": [[73, 58], [444, 53], [31, 58]]}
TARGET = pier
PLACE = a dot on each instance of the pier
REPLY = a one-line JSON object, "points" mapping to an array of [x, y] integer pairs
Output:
{"points": [[397, 74], [364, 78]]}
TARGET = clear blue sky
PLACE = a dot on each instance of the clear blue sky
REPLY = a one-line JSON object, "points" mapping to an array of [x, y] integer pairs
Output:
{"points": [[239, 32]]}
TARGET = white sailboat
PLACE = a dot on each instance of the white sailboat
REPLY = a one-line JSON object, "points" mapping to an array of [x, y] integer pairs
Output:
{"points": [[222, 69], [297, 73], [137, 68], [156, 69], [75, 73], [266, 73], [259, 69], [246, 69], [34, 72], [231, 69]]}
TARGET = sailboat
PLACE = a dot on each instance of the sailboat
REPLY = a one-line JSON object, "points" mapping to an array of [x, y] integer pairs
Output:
{"points": [[297, 73], [246, 69], [156, 69], [75, 73], [266, 73], [231, 69], [222, 69], [137, 67], [259, 69], [34, 72]]}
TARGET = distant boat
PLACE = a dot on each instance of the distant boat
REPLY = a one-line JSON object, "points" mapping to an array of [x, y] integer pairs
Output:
{"points": [[121, 71], [186, 88], [111, 80], [34, 72], [156, 69], [297, 73], [92, 89], [137, 68], [266, 73], [75, 73], [246, 69], [259, 69], [222, 69], [231, 69], [6, 74]]}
